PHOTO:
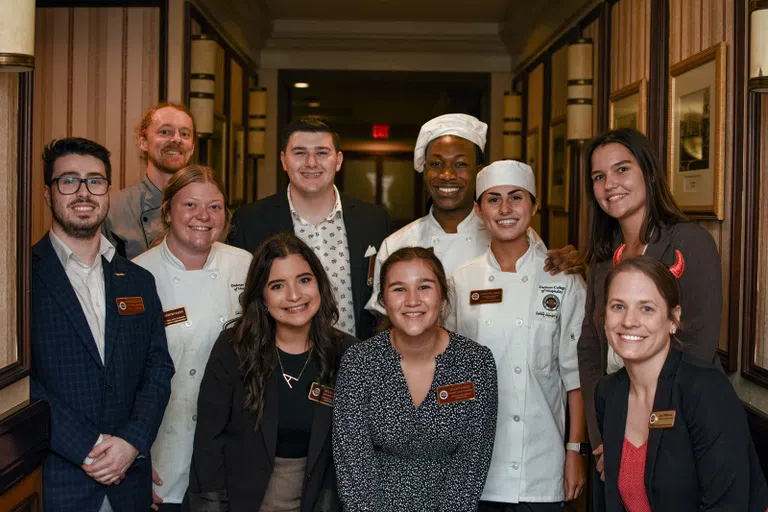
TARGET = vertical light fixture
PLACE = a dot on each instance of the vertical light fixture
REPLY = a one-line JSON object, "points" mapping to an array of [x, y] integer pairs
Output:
{"points": [[513, 125], [579, 109], [758, 46], [17, 35], [202, 82], [257, 121]]}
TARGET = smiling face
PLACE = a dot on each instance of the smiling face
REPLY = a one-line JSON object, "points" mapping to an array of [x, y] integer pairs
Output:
{"points": [[169, 140], [506, 211], [291, 295], [196, 219], [78, 215], [638, 323], [451, 168], [412, 297], [311, 162], [618, 182]]}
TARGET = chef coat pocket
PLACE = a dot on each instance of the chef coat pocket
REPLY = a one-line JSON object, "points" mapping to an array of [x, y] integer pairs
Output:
{"points": [[541, 353]]}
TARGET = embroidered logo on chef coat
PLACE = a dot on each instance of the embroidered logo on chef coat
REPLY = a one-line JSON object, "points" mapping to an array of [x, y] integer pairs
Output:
{"points": [[551, 302], [551, 299], [237, 287]]}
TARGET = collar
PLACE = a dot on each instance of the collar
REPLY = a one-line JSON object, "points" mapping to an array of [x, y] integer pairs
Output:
{"points": [[335, 212], [154, 196], [533, 245], [175, 262], [64, 253], [471, 223]]}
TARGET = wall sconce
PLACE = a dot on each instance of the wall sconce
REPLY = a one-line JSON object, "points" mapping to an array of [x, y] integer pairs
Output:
{"points": [[758, 46], [579, 109], [513, 125], [257, 121], [202, 82], [17, 36]]}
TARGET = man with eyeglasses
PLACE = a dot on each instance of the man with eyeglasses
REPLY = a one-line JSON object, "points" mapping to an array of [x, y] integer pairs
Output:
{"points": [[99, 352], [165, 136]]}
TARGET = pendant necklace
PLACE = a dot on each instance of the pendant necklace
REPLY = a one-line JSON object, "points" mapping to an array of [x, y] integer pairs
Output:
{"points": [[288, 377]]}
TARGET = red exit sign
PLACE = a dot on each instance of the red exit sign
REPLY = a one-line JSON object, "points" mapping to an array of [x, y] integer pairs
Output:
{"points": [[381, 131]]}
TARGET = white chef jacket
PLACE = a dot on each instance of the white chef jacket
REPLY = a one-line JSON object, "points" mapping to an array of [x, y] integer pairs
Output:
{"points": [[532, 333], [210, 298], [470, 240]]}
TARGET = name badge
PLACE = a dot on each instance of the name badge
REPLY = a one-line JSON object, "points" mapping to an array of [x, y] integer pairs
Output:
{"points": [[174, 316], [321, 394], [454, 393], [662, 419], [130, 305], [492, 296]]}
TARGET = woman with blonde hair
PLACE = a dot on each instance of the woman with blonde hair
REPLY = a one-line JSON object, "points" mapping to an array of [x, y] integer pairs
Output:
{"points": [[199, 281]]}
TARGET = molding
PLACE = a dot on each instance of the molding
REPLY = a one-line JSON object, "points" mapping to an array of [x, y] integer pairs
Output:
{"points": [[658, 81], [25, 435]]}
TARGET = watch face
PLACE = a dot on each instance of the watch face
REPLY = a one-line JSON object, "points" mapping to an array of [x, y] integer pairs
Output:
{"points": [[584, 448]]}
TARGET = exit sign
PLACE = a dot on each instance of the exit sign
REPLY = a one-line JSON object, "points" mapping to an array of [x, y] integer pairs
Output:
{"points": [[381, 131]]}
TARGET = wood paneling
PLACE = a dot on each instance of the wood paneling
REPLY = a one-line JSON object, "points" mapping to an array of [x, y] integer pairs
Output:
{"points": [[630, 42], [535, 120], [592, 31], [559, 82], [9, 94], [26, 496], [761, 347], [96, 72]]}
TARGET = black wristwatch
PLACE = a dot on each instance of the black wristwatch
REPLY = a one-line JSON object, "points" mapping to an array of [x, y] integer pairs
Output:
{"points": [[580, 448]]}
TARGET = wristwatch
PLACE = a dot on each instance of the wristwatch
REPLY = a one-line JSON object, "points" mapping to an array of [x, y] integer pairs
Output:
{"points": [[580, 448]]}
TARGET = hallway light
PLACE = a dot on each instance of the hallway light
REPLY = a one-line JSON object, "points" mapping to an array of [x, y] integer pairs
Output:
{"points": [[202, 82], [17, 35], [513, 125], [579, 109], [257, 121], [301, 85], [758, 46]]}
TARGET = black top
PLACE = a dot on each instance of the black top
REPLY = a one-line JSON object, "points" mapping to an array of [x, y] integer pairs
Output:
{"points": [[295, 411]]}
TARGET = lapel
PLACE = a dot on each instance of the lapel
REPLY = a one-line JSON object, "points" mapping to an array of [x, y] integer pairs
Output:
{"points": [[614, 424], [657, 248], [321, 424], [268, 426], [283, 223], [52, 274], [113, 286], [356, 241]]}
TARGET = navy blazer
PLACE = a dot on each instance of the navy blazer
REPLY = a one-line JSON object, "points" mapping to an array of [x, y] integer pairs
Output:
{"points": [[125, 396], [367, 225], [705, 461]]}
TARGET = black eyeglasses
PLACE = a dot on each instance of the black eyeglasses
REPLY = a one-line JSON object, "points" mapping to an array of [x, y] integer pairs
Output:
{"points": [[69, 185]]}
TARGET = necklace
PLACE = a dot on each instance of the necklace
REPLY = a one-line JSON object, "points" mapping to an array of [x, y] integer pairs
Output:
{"points": [[288, 377]]}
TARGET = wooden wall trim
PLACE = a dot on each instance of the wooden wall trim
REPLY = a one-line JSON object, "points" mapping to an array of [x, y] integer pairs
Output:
{"points": [[658, 81], [25, 431], [574, 190], [544, 141], [604, 68]]}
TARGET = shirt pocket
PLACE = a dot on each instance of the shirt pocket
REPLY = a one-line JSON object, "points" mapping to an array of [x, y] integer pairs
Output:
{"points": [[541, 347]]}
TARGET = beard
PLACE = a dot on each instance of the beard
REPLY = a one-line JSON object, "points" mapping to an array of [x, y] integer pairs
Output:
{"points": [[75, 227], [162, 164]]}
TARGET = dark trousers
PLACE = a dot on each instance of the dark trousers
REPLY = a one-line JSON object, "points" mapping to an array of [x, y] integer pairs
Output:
{"points": [[169, 507], [490, 506]]}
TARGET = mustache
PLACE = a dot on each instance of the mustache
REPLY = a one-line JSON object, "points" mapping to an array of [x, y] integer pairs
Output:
{"points": [[81, 200], [172, 145]]}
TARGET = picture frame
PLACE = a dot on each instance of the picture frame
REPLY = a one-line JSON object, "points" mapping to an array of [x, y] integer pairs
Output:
{"points": [[557, 173], [627, 107], [696, 128]]}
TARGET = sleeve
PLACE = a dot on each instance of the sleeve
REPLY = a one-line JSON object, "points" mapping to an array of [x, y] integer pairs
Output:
{"points": [[155, 389], [235, 236], [373, 303], [571, 319], [451, 314], [466, 478], [701, 295], [353, 453], [590, 365], [207, 485]]}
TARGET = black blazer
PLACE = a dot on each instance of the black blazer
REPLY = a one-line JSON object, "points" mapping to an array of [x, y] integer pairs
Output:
{"points": [[231, 462], [706, 461], [367, 226]]}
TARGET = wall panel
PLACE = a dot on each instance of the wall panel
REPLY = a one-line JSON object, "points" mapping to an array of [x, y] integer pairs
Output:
{"points": [[536, 121], [630, 42], [558, 221], [9, 92], [592, 31]]}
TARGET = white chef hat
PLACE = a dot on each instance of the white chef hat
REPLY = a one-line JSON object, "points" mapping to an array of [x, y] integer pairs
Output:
{"points": [[506, 172], [461, 125]]}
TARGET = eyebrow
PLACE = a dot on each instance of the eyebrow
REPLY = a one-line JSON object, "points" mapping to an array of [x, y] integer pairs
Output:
{"points": [[68, 174], [402, 283], [513, 191], [303, 274], [294, 148]]}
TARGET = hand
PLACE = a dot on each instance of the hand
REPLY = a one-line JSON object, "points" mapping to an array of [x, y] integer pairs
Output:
{"points": [[568, 260], [598, 452], [155, 498], [575, 475], [112, 458]]}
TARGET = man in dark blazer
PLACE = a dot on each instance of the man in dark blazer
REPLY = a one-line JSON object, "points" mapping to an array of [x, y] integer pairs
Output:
{"points": [[343, 231], [99, 353]]}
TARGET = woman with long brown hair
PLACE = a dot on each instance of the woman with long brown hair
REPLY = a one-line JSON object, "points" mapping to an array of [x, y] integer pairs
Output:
{"points": [[264, 413]]}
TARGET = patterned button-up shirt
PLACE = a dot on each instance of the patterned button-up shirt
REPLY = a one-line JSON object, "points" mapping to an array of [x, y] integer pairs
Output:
{"points": [[328, 240], [134, 219]]}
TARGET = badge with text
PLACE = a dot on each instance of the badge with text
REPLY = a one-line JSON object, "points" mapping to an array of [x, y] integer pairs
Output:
{"points": [[174, 316], [492, 296], [454, 393], [662, 419], [130, 305], [321, 394]]}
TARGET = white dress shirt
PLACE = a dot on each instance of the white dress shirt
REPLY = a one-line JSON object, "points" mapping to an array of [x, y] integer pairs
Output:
{"points": [[196, 305], [532, 333], [470, 241]]}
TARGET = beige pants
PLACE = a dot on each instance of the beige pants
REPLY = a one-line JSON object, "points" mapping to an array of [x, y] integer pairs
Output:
{"points": [[285, 486]]}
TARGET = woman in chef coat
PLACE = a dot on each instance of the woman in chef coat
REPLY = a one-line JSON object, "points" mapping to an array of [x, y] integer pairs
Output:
{"points": [[531, 321], [199, 281]]}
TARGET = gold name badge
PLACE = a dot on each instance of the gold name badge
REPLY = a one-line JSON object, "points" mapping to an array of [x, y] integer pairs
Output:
{"points": [[321, 394], [662, 419], [130, 305], [492, 296], [454, 393], [174, 316]]}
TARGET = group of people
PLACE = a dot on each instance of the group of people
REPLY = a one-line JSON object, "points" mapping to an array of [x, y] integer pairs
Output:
{"points": [[185, 373]]}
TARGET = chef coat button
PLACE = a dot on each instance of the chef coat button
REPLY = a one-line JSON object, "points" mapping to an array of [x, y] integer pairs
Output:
{"points": [[223, 319], [515, 466], [516, 418], [435, 240], [145, 219], [194, 417], [518, 370], [488, 322], [188, 324], [176, 280], [469, 239], [491, 278], [519, 322], [525, 279], [192, 371], [213, 275]]}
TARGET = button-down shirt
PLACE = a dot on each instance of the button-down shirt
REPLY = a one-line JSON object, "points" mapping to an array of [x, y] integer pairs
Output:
{"points": [[470, 241], [328, 240], [134, 219], [532, 332]]}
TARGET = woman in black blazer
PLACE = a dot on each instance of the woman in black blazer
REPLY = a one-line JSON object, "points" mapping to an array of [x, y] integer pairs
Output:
{"points": [[263, 436], [676, 437]]}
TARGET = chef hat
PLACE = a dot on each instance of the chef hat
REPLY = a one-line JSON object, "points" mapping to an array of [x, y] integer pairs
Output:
{"points": [[461, 125], [506, 172]]}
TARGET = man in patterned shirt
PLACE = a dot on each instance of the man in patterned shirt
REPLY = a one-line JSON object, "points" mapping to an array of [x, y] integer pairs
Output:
{"points": [[342, 230]]}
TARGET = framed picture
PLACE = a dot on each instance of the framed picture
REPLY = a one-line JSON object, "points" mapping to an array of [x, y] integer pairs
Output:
{"points": [[627, 107], [532, 156], [557, 174], [697, 133]]}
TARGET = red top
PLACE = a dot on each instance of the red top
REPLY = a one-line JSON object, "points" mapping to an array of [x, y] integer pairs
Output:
{"points": [[632, 477]]}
